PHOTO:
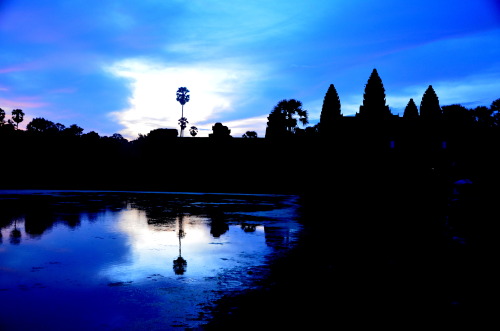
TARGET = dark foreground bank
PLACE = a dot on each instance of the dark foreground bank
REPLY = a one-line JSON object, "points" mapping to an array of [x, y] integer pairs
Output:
{"points": [[415, 255]]}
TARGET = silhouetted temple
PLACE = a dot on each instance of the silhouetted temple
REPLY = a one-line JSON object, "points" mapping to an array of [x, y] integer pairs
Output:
{"points": [[374, 142]]}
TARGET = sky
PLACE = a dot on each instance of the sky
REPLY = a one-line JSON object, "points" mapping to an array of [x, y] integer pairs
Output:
{"points": [[115, 66]]}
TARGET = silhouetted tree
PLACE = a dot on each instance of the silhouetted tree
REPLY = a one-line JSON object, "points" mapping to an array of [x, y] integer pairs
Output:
{"points": [[495, 106], [41, 125], [5, 126], [483, 116], [193, 131], [10, 126], [250, 134], [220, 131], [281, 121], [276, 124], [60, 127], [118, 138], [457, 115], [17, 116], [495, 110], [330, 112], [182, 98], [411, 110], [183, 122], [91, 136], [158, 134], [429, 106], [374, 106], [73, 131]]}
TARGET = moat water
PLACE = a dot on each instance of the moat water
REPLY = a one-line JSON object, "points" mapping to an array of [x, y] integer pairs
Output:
{"points": [[133, 260]]}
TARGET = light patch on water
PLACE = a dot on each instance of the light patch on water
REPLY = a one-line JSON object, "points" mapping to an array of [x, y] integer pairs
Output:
{"points": [[95, 261]]}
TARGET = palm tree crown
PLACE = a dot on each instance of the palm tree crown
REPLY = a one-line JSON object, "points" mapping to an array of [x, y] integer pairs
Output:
{"points": [[182, 95], [17, 116], [289, 108]]}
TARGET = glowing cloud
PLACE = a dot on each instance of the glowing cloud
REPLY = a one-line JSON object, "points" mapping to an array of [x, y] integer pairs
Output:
{"points": [[215, 88], [240, 127]]}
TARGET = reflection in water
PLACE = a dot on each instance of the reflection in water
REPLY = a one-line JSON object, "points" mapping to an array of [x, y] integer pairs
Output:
{"points": [[180, 264], [15, 235], [95, 260]]}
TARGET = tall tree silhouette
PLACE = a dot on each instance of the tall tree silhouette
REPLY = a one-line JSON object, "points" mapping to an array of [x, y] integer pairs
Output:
{"points": [[18, 117], [330, 112], [282, 118], [374, 106], [182, 98], [411, 110], [429, 106]]}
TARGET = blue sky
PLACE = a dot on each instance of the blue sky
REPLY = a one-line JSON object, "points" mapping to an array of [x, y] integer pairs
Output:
{"points": [[114, 66]]}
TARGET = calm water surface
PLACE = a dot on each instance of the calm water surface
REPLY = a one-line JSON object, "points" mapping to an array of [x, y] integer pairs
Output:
{"points": [[132, 260]]}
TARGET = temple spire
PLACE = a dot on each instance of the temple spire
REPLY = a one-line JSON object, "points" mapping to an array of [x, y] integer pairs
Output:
{"points": [[374, 106]]}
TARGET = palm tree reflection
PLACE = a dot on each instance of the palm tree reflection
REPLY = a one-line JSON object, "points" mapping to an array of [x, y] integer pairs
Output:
{"points": [[180, 264]]}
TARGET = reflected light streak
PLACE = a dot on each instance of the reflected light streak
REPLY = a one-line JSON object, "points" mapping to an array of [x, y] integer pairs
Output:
{"points": [[153, 247]]}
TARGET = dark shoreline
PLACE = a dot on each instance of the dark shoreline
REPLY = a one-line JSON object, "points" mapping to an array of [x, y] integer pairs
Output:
{"points": [[431, 263]]}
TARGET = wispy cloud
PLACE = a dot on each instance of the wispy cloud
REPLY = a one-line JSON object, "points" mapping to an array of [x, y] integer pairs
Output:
{"points": [[22, 103]]}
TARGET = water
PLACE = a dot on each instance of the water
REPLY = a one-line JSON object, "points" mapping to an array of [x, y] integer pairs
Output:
{"points": [[133, 260]]}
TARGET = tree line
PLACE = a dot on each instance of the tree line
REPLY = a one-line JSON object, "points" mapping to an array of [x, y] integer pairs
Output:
{"points": [[451, 138], [287, 114]]}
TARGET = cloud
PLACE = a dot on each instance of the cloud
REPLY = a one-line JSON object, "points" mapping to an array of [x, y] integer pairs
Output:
{"points": [[215, 89], [22, 103], [239, 127]]}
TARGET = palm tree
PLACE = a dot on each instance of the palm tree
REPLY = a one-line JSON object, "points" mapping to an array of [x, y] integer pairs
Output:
{"points": [[17, 116], [182, 98], [289, 108], [193, 131], [183, 123]]}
